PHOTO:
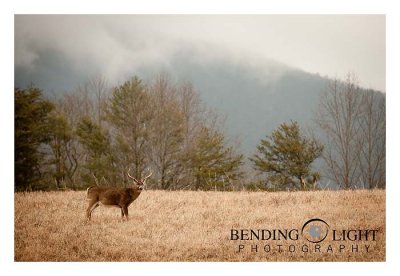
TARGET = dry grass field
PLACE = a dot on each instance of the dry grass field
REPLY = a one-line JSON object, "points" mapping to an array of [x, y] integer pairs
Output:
{"points": [[195, 226]]}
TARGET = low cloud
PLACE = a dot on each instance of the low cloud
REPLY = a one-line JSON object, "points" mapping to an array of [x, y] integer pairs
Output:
{"points": [[116, 46]]}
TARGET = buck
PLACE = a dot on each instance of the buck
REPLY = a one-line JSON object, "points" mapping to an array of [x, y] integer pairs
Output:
{"points": [[117, 197]]}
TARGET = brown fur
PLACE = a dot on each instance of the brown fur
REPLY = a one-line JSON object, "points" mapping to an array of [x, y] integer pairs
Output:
{"points": [[118, 197]]}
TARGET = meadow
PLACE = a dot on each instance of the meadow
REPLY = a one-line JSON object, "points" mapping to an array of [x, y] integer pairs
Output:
{"points": [[196, 226]]}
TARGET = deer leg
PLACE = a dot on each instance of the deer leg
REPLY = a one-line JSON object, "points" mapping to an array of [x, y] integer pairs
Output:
{"points": [[92, 205], [122, 214], [125, 211]]}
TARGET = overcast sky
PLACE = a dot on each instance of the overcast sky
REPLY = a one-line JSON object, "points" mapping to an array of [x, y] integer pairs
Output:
{"points": [[111, 45]]}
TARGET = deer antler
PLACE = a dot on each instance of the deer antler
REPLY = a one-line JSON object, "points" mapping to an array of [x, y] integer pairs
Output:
{"points": [[95, 179], [131, 175], [150, 174]]}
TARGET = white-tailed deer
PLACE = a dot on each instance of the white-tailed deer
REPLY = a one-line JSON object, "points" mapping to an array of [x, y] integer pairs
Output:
{"points": [[118, 197]]}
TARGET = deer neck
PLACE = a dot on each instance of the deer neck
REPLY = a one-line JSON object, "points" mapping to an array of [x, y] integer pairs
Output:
{"points": [[135, 193]]}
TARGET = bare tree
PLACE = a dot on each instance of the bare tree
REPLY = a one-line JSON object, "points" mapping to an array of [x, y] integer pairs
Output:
{"points": [[66, 150], [340, 109], [100, 90], [353, 121], [194, 116], [167, 133], [67, 153], [373, 143]]}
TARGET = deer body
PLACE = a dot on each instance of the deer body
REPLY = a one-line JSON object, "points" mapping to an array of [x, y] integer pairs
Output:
{"points": [[117, 197]]}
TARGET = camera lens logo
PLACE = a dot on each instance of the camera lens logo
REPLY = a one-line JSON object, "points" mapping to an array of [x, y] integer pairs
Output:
{"points": [[315, 230]]}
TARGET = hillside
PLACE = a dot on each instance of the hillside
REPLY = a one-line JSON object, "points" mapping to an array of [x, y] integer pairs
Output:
{"points": [[253, 95]]}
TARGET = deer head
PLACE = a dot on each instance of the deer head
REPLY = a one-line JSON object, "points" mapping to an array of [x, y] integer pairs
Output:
{"points": [[139, 183]]}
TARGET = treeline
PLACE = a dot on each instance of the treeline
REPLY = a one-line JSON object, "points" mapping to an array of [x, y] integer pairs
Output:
{"points": [[352, 123], [96, 134]]}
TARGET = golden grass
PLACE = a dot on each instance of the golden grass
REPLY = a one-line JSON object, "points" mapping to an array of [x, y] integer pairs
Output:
{"points": [[191, 226]]}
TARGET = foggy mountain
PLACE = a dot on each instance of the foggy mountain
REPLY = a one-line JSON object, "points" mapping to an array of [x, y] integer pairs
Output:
{"points": [[254, 96]]}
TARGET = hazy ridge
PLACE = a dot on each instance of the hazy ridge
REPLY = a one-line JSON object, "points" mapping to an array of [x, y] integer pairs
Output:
{"points": [[253, 95]]}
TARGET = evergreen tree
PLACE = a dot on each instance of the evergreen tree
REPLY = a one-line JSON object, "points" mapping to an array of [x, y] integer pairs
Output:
{"points": [[129, 111], [31, 131], [214, 164], [286, 157], [60, 133], [97, 144]]}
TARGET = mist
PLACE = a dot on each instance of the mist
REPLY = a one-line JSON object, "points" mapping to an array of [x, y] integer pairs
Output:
{"points": [[58, 52]]}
